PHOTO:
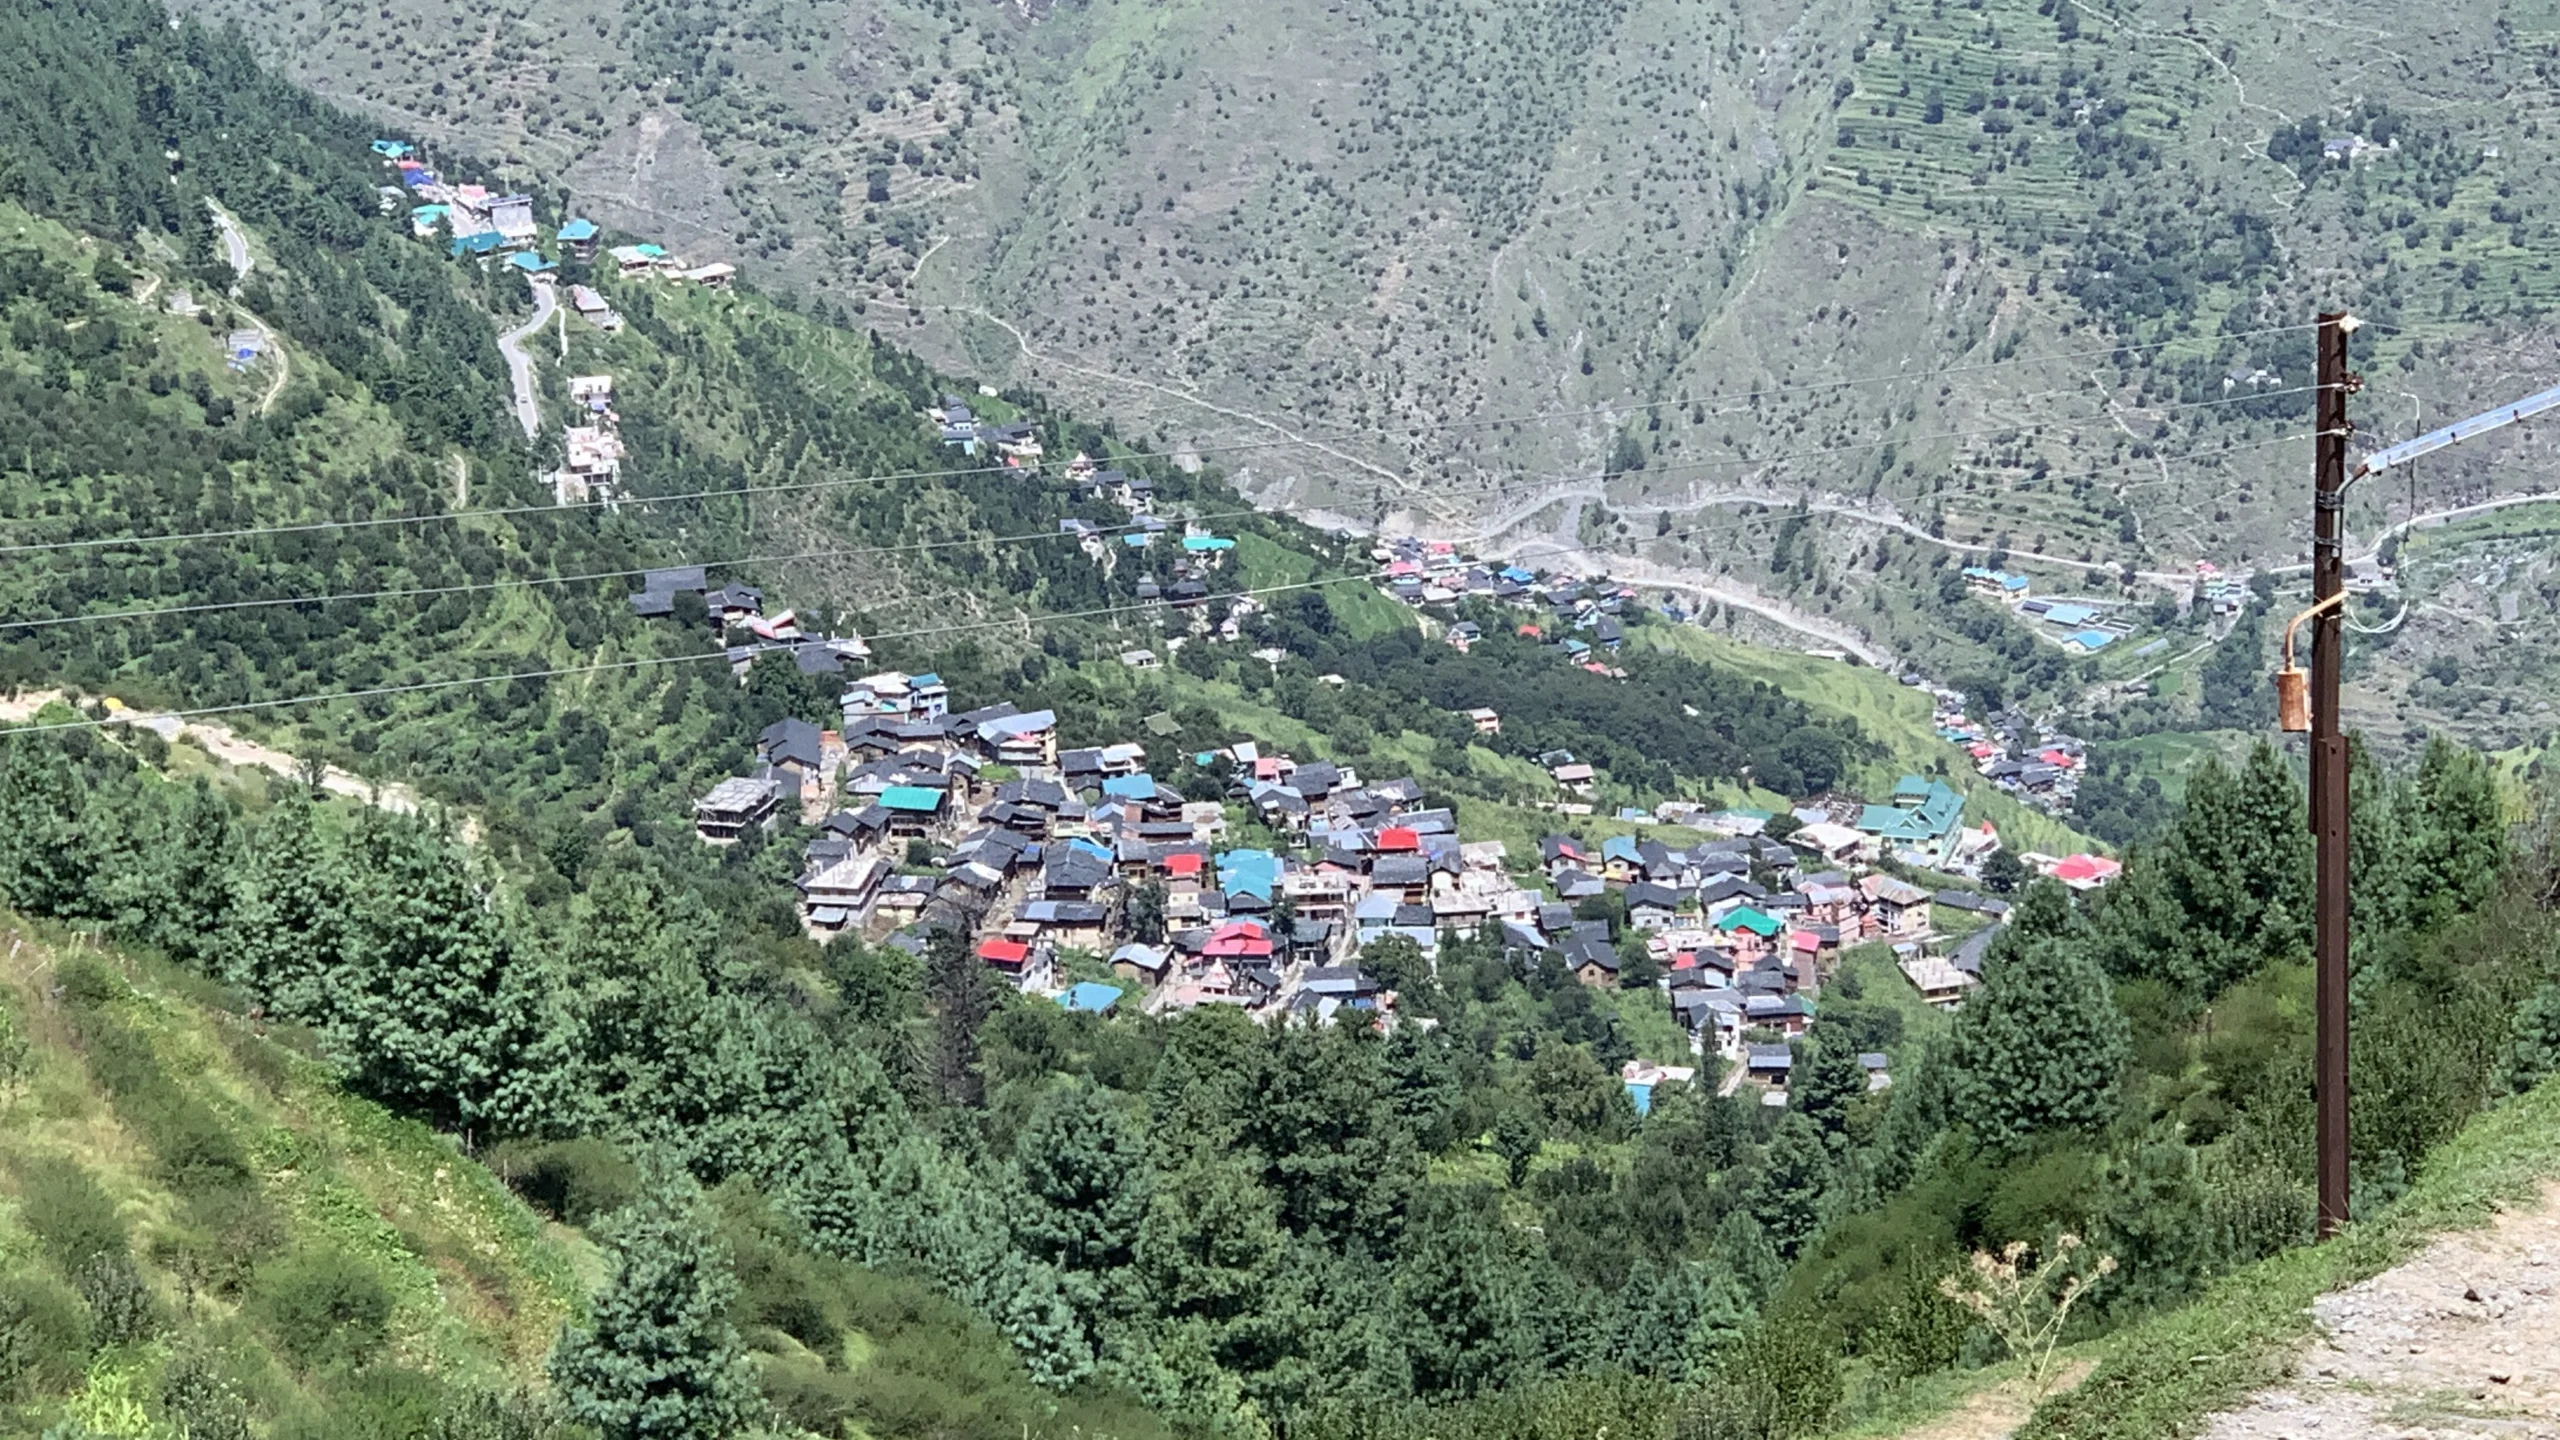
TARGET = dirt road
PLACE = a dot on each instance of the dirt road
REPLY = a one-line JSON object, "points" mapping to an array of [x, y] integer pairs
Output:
{"points": [[1637, 570], [2462, 1340], [232, 748]]}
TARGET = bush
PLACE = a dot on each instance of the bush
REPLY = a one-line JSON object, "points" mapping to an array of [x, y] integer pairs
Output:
{"points": [[44, 1337], [229, 1234], [70, 1216], [378, 1402], [323, 1307], [575, 1181], [1781, 1382], [199, 1403], [122, 1309], [198, 1153]]}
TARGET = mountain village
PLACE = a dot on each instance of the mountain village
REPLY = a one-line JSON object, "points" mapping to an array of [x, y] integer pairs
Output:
{"points": [[1112, 877]]}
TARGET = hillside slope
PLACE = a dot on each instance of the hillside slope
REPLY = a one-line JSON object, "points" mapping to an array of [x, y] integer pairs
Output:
{"points": [[195, 1203], [2009, 275]]}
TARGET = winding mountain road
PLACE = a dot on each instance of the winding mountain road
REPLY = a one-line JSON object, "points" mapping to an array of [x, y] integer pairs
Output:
{"points": [[1637, 570], [235, 244], [520, 364]]}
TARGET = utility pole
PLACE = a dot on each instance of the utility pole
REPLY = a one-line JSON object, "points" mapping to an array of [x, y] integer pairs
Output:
{"points": [[2317, 694], [2329, 765]]}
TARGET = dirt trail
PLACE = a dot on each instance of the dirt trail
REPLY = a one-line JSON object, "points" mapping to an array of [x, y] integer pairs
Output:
{"points": [[2462, 1340], [232, 748], [1995, 1413]]}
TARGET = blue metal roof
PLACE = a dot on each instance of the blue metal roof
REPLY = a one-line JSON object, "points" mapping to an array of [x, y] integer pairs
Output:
{"points": [[1090, 997]]}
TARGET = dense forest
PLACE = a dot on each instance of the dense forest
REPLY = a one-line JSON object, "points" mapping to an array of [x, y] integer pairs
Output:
{"points": [[1316, 1231]]}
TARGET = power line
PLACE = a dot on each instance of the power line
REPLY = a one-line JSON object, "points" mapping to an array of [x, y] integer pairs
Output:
{"points": [[1023, 622], [834, 482], [475, 587], [1019, 622]]}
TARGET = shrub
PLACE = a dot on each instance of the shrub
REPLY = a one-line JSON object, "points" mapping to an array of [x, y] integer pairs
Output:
{"points": [[1781, 1382], [378, 1402], [44, 1337], [230, 1232], [575, 1181], [70, 1216], [198, 1153], [88, 983], [199, 1403], [322, 1306], [122, 1309]]}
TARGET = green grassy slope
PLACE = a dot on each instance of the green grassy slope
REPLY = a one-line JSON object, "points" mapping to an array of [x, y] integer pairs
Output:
{"points": [[241, 1194], [1890, 713], [311, 1262]]}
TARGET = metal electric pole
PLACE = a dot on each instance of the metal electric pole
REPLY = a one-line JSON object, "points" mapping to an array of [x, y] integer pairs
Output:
{"points": [[2329, 764], [2311, 703]]}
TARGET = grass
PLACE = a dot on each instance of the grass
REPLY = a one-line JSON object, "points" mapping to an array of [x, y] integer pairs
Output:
{"points": [[480, 1285], [1889, 713], [2164, 1376], [1882, 982]]}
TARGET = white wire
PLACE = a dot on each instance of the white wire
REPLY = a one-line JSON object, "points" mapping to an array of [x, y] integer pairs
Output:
{"points": [[1021, 622]]}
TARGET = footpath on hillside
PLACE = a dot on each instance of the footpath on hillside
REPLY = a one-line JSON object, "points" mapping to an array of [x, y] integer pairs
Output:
{"points": [[235, 749], [2461, 1340]]}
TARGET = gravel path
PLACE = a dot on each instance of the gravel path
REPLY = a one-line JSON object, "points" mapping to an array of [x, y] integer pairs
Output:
{"points": [[2461, 1341]]}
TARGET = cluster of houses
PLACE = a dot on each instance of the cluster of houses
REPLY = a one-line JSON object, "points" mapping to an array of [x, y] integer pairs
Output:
{"points": [[2037, 763], [1015, 442], [2083, 627], [590, 444], [737, 613], [1089, 875], [478, 222], [1581, 617]]}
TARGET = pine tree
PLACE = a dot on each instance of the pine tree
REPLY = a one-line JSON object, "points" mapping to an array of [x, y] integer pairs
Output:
{"points": [[2228, 890], [1146, 912], [1795, 1175], [1334, 1152], [41, 849], [2041, 1047], [1085, 1167], [1423, 1085], [198, 851], [2455, 833], [415, 988], [962, 997], [1782, 1381], [1211, 1247], [1828, 1085], [1464, 1282], [285, 933], [1519, 1133], [2533, 1050], [659, 1359]]}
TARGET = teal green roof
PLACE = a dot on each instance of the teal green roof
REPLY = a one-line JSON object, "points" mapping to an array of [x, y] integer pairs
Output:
{"points": [[915, 799], [1743, 917], [1928, 813]]}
